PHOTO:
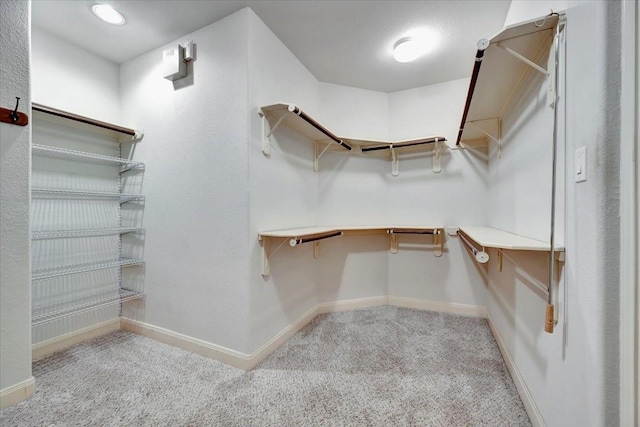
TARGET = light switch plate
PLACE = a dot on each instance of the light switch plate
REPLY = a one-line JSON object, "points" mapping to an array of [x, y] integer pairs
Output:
{"points": [[581, 164]]}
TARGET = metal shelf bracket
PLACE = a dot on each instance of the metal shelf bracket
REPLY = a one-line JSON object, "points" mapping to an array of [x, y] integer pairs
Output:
{"points": [[317, 154], [395, 164], [437, 157], [524, 59], [267, 131]]}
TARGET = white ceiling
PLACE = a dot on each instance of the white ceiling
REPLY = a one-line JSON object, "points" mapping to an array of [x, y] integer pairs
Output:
{"points": [[345, 42]]}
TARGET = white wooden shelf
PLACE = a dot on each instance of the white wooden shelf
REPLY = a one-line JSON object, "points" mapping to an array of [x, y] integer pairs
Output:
{"points": [[488, 237], [325, 140], [502, 66], [298, 236]]}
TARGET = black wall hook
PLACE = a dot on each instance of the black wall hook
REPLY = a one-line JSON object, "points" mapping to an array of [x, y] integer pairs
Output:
{"points": [[14, 114], [14, 117]]}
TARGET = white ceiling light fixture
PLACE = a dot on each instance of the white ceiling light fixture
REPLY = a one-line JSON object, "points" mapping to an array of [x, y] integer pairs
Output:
{"points": [[409, 49], [108, 14]]}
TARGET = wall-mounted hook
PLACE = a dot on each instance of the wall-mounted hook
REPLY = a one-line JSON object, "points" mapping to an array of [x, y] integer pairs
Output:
{"points": [[14, 114], [14, 117]]}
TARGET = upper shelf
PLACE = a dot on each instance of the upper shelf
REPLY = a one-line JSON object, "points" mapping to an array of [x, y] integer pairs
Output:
{"points": [[293, 117], [502, 66], [131, 134], [488, 237]]}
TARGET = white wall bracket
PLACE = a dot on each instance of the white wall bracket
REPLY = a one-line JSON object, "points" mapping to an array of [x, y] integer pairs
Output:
{"points": [[395, 164], [437, 157], [317, 154], [524, 59], [266, 254], [497, 138], [267, 131], [437, 241]]}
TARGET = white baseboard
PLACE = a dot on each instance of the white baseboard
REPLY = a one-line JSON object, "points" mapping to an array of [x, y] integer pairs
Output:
{"points": [[350, 304], [45, 348], [185, 342], [16, 393], [439, 306], [527, 398], [249, 361]]}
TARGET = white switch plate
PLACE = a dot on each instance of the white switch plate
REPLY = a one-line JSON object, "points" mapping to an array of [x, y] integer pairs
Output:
{"points": [[581, 164]]}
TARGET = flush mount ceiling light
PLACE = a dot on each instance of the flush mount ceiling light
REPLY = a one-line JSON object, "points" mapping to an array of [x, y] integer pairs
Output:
{"points": [[108, 14], [409, 49]]}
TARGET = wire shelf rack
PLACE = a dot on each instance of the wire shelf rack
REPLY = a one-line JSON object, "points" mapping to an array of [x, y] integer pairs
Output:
{"points": [[48, 273], [81, 156], [43, 193], [61, 234], [51, 312]]}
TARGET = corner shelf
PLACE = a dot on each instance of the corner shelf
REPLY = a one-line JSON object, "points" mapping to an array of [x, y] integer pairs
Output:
{"points": [[502, 67], [324, 140], [297, 236], [80, 156]]}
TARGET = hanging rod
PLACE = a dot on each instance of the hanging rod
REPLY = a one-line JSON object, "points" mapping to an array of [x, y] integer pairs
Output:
{"points": [[299, 241], [402, 145], [481, 256], [392, 231], [297, 111], [483, 44], [82, 119]]}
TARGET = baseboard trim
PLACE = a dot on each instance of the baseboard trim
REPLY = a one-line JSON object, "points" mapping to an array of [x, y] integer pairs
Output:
{"points": [[439, 306], [50, 346], [527, 398], [249, 361], [16, 393], [188, 343], [350, 304]]}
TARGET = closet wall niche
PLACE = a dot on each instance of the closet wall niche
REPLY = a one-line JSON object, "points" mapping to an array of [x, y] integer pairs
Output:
{"points": [[87, 206]]}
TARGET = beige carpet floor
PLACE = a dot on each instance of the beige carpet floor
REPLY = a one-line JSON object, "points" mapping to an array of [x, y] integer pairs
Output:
{"points": [[381, 366]]}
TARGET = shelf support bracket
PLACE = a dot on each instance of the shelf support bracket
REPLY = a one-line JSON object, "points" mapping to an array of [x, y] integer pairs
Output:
{"points": [[437, 157], [266, 135], [316, 249], [393, 242], [500, 260], [266, 268], [395, 167], [437, 243], [524, 59], [495, 138], [317, 154]]}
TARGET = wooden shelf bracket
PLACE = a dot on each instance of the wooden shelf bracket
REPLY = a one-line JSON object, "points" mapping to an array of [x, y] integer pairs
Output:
{"points": [[436, 233], [523, 59]]}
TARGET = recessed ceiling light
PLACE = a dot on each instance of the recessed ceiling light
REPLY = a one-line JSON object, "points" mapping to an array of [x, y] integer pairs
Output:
{"points": [[408, 49], [108, 14]]}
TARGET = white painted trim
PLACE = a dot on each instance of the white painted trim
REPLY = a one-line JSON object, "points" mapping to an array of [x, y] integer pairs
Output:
{"points": [[16, 393], [350, 304], [185, 342], [283, 336], [439, 306], [45, 348], [629, 227], [527, 398], [249, 361]]}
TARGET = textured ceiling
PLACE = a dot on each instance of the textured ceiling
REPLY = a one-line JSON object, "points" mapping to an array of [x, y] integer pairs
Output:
{"points": [[342, 42]]}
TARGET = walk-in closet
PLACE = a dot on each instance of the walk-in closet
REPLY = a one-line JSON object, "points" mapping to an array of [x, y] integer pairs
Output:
{"points": [[362, 213]]}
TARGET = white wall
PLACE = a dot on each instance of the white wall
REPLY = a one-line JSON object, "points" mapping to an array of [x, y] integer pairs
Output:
{"points": [[69, 78], [15, 160], [283, 188], [578, 363], [362, 191], [196, 185]]}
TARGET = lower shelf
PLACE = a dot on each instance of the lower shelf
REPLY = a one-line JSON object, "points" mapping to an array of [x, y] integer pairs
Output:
{"points": [[48, 273], [51, 312], [297, 236]]}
